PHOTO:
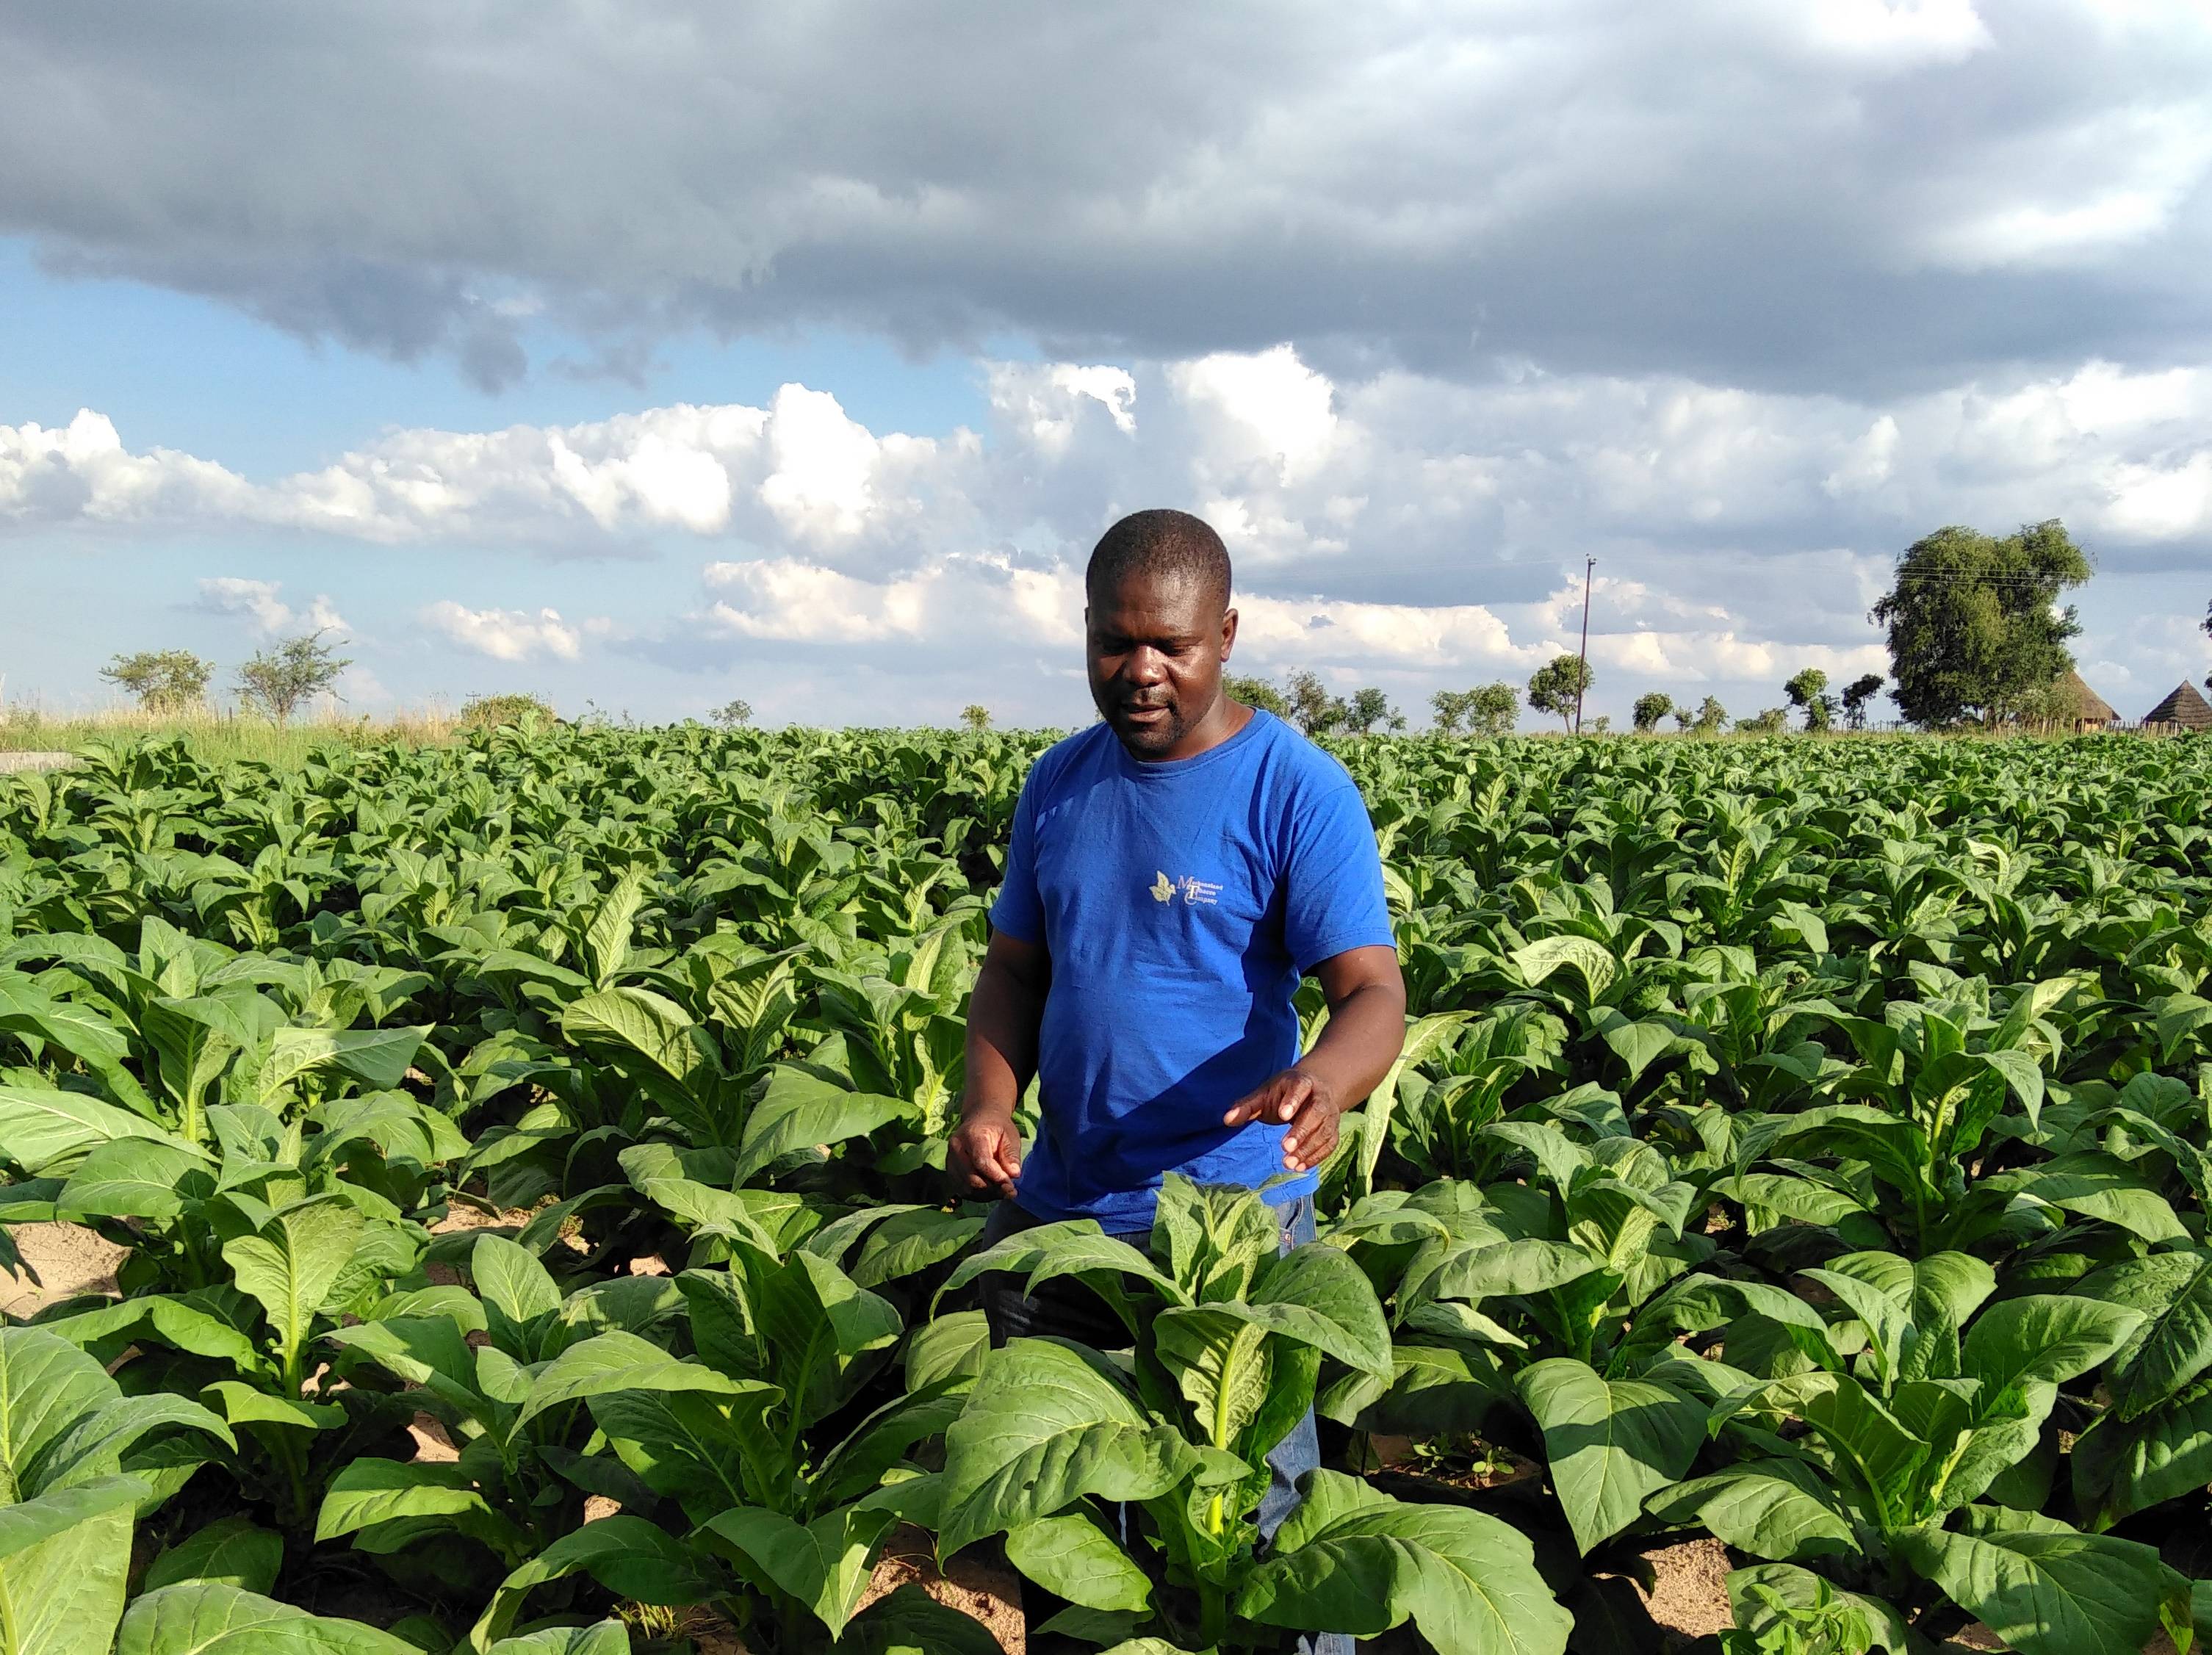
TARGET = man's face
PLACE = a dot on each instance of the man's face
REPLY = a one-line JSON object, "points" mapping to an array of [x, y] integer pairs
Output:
{"points": [[1157, 649]]}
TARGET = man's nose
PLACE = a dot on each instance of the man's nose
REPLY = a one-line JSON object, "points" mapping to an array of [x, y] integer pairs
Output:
{"points": [[1147, 666]]}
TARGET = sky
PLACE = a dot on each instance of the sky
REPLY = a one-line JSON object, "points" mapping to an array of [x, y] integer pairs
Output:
{"points": [[643, 359]]}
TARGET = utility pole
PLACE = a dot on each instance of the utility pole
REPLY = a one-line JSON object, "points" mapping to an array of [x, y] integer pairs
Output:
{"points": [[1589, 564]]}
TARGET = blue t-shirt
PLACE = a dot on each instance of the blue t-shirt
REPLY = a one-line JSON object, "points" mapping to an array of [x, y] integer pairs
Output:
{"points": [[1179, 901]]}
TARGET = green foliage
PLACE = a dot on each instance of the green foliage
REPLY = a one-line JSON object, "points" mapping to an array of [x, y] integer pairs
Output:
{"points": [[976, 716], [1486, 710], [1806, 1145], [732, 715], [1368, 707], [1974, 624], [1808, 692], [161, 681], [1649, 709], [1559, 686], [1256, 693], [1857, 694], [277, 681], [1771, 722], [511, 707]]}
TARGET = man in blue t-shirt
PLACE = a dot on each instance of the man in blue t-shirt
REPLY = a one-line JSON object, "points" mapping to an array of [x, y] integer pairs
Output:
{"points": [[1174, 871]]}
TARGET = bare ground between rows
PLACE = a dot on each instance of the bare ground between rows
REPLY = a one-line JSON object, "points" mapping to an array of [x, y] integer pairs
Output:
{"points": [[64, 1260]]}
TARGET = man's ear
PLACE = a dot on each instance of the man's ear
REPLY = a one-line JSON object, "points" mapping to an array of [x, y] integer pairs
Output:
{"points": [[1228, 633]]}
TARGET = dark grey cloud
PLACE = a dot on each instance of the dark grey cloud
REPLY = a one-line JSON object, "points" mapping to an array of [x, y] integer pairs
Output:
{"points": [[1857, 195]]}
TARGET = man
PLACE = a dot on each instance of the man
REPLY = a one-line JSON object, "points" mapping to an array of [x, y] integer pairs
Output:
{"points": [[1174, 871]]}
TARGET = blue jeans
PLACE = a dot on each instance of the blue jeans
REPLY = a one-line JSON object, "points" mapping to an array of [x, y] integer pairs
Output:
{"points": [[1066, 1309]]}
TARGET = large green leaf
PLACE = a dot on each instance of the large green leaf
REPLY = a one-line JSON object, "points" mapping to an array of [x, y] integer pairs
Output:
{"points": [[136, 1177], [2044, 1589], [614, 1362], [1773, 1508], [1352, 1559], [910, 1621], [1610, 1443], [1074, 1555], [292, 1261], [234, 1551], [824, 1564], [626, 1554], [1866, 1622], [367, 1492], [209, 1617], [48, 1387], [1042, 1429], [2174, 1350], [63, 1558], [802, 1110], [377, 1057], [45, 1132], [2049, 1336]]}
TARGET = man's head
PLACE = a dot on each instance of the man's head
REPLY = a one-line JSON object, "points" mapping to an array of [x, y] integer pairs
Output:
{"points": [[1158, 629]]}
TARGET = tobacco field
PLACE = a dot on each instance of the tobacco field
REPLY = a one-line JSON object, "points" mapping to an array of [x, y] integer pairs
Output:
{"points": [[1801, 1144]]}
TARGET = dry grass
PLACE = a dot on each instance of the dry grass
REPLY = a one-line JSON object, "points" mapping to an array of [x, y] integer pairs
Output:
{"points": [[219, 737]]}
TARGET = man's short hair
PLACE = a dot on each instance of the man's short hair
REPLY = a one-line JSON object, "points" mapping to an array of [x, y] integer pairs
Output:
{"points": [[1160, 545]]}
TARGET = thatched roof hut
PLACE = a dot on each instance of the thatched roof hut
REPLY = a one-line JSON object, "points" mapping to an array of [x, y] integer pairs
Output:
{"points": [[2186, 708], [2090, 710]]}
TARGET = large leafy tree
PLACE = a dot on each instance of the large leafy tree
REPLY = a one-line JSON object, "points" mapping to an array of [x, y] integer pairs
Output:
{"points": [[1559, 686], [1649, 709], [1808, 691], [1313, 709], [277, 681], [1369, 707], [1974, 624], [1488, 710], [1857, 693], [160, 680]]}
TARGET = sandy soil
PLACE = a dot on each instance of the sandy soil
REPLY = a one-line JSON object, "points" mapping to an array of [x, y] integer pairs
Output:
{"points": [[985, 1589], [1688, 1594], [68, 1259]]}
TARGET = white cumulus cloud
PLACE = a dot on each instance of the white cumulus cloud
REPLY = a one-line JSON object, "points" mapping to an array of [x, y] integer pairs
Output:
{"points": [[505, 634]]}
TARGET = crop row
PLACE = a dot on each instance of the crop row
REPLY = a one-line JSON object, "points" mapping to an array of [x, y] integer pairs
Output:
{"points": [[1806, 1147]]}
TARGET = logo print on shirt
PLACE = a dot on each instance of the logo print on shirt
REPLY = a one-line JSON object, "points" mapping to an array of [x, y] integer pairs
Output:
{"points": [[1193, 891]]}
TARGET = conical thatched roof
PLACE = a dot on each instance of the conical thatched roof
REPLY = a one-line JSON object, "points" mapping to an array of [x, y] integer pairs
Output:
{"points": [[2184, 708], [2088, 706]]}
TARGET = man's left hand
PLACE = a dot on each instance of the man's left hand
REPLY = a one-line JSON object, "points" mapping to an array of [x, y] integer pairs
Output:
{"points": [[1306, 1102]]}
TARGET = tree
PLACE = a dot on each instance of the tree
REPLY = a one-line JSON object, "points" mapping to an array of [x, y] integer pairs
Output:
{"points": [[1649, 709], [1808, 692], [1312, 708], [275, 681], [1856, 695], [1486, 710], [1257, 692], [1601, 725], [976, 716], [1712, 717], [1973, 621], [1369, 707], [1494, 709], [1772, 722], [1683, 717], [1559, 685], [733, 713], [162, 679]]}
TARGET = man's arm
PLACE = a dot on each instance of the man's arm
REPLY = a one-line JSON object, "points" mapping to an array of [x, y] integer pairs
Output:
{"points": [[1004, 1015], [1365, 1031]]}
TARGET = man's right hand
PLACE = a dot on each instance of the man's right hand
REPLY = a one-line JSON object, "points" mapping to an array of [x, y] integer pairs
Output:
{"points": [[986, 1153]]}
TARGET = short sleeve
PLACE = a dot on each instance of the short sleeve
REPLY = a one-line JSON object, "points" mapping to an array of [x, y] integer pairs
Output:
{"points": [[1019, 909], [1333, 895]]}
